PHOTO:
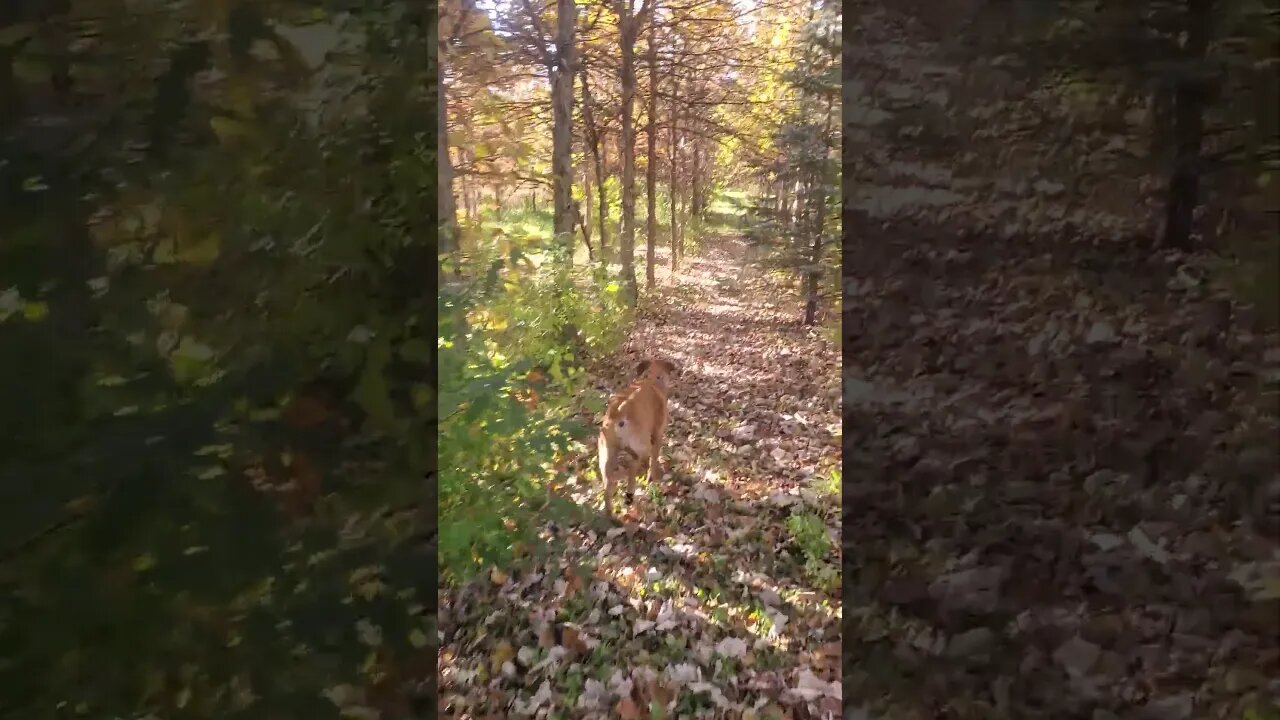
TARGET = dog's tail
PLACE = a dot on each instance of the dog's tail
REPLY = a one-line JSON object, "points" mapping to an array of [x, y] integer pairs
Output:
{"points": [[615, 402]]}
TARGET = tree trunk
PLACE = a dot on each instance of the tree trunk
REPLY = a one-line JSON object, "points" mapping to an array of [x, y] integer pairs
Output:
{"points": [[818, 200], [593, 140], [469, 195], [651, 173], [799, 196], [448, 244], [586, 231], [446, 207], [627, 25], [696, 205], [819, 196], [1190, 95], [583, 213], [586, 201], [671, 154], [602, 199], [562, 124]]}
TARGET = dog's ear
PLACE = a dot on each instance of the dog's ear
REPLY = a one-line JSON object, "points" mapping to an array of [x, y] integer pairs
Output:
{"points": [[644, 365], [671, 367]]}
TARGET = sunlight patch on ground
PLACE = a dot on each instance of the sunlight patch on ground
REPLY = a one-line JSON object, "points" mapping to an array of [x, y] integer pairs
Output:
{"points": [[674, 594], [723, 309]]}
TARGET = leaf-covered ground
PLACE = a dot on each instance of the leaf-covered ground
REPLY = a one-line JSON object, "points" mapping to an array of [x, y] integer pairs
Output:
{"points": [[717, 593], [1062, 486]]}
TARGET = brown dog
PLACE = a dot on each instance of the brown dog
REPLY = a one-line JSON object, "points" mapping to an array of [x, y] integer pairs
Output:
{"points": [[634, 427]]}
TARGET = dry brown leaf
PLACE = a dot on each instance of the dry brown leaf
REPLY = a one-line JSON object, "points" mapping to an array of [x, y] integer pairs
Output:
{"points": [[662, 696], [547, 636], [626, 709], [573, 582], [571, 639]]}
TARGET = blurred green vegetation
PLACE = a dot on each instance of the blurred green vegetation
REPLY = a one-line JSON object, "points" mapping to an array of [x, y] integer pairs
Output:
{"points": [[218, 427]]}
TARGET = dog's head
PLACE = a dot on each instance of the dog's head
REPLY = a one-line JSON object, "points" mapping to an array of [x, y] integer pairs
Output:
{"points": [[659, 371]]}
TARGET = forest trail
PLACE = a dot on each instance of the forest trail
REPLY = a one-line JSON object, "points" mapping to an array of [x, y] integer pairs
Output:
{"points": [[699, 602]]}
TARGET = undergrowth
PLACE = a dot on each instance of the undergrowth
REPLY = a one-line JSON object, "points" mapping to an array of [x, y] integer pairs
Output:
{"points": [[809, 534], [513, 340], [517, 326]]}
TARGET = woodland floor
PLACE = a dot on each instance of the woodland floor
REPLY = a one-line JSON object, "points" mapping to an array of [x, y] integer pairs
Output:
{"points": [[1061, 483], [697, 604], [1060, 501]]}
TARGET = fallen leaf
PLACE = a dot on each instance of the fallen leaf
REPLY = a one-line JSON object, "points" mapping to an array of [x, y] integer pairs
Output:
{"points": [[1147, 547], [1077, 656], [1106, 541], [731, 647], [502, 652], [626, 709], [811, 687], [547, 636], [574, 640], [971, 643]]}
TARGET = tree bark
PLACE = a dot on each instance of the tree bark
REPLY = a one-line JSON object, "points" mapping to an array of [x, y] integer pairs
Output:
{"points": [[446, 206], [586, 203], [675, 194], [593, 140], [651, 173], [1190, 98], [586, 231], [468, 193], [627, 25], [819, 209], [562, 124], [696, 200]]}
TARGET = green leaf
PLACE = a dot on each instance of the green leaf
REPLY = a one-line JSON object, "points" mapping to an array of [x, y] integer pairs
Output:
{"points": [[416, 350], [372, 392], [14, 34], [35, 311], [230, 130], [32, 71], [191, 349], [423, 396], [201, 252], [191, 361], [163, 254]]}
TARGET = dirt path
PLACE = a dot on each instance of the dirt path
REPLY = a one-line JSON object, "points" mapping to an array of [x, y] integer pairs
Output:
{"points": [[700, 603]]}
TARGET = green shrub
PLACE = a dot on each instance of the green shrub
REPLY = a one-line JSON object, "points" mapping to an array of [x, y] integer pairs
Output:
{"points": [[508, 382]]}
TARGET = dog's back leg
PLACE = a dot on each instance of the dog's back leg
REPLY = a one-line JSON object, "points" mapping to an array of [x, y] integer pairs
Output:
{"points": [[655, 452], [633, 472]]}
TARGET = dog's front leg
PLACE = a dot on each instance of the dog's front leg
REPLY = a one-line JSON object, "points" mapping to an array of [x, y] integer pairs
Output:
{"points": [[606, 475], [631, 486]]}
